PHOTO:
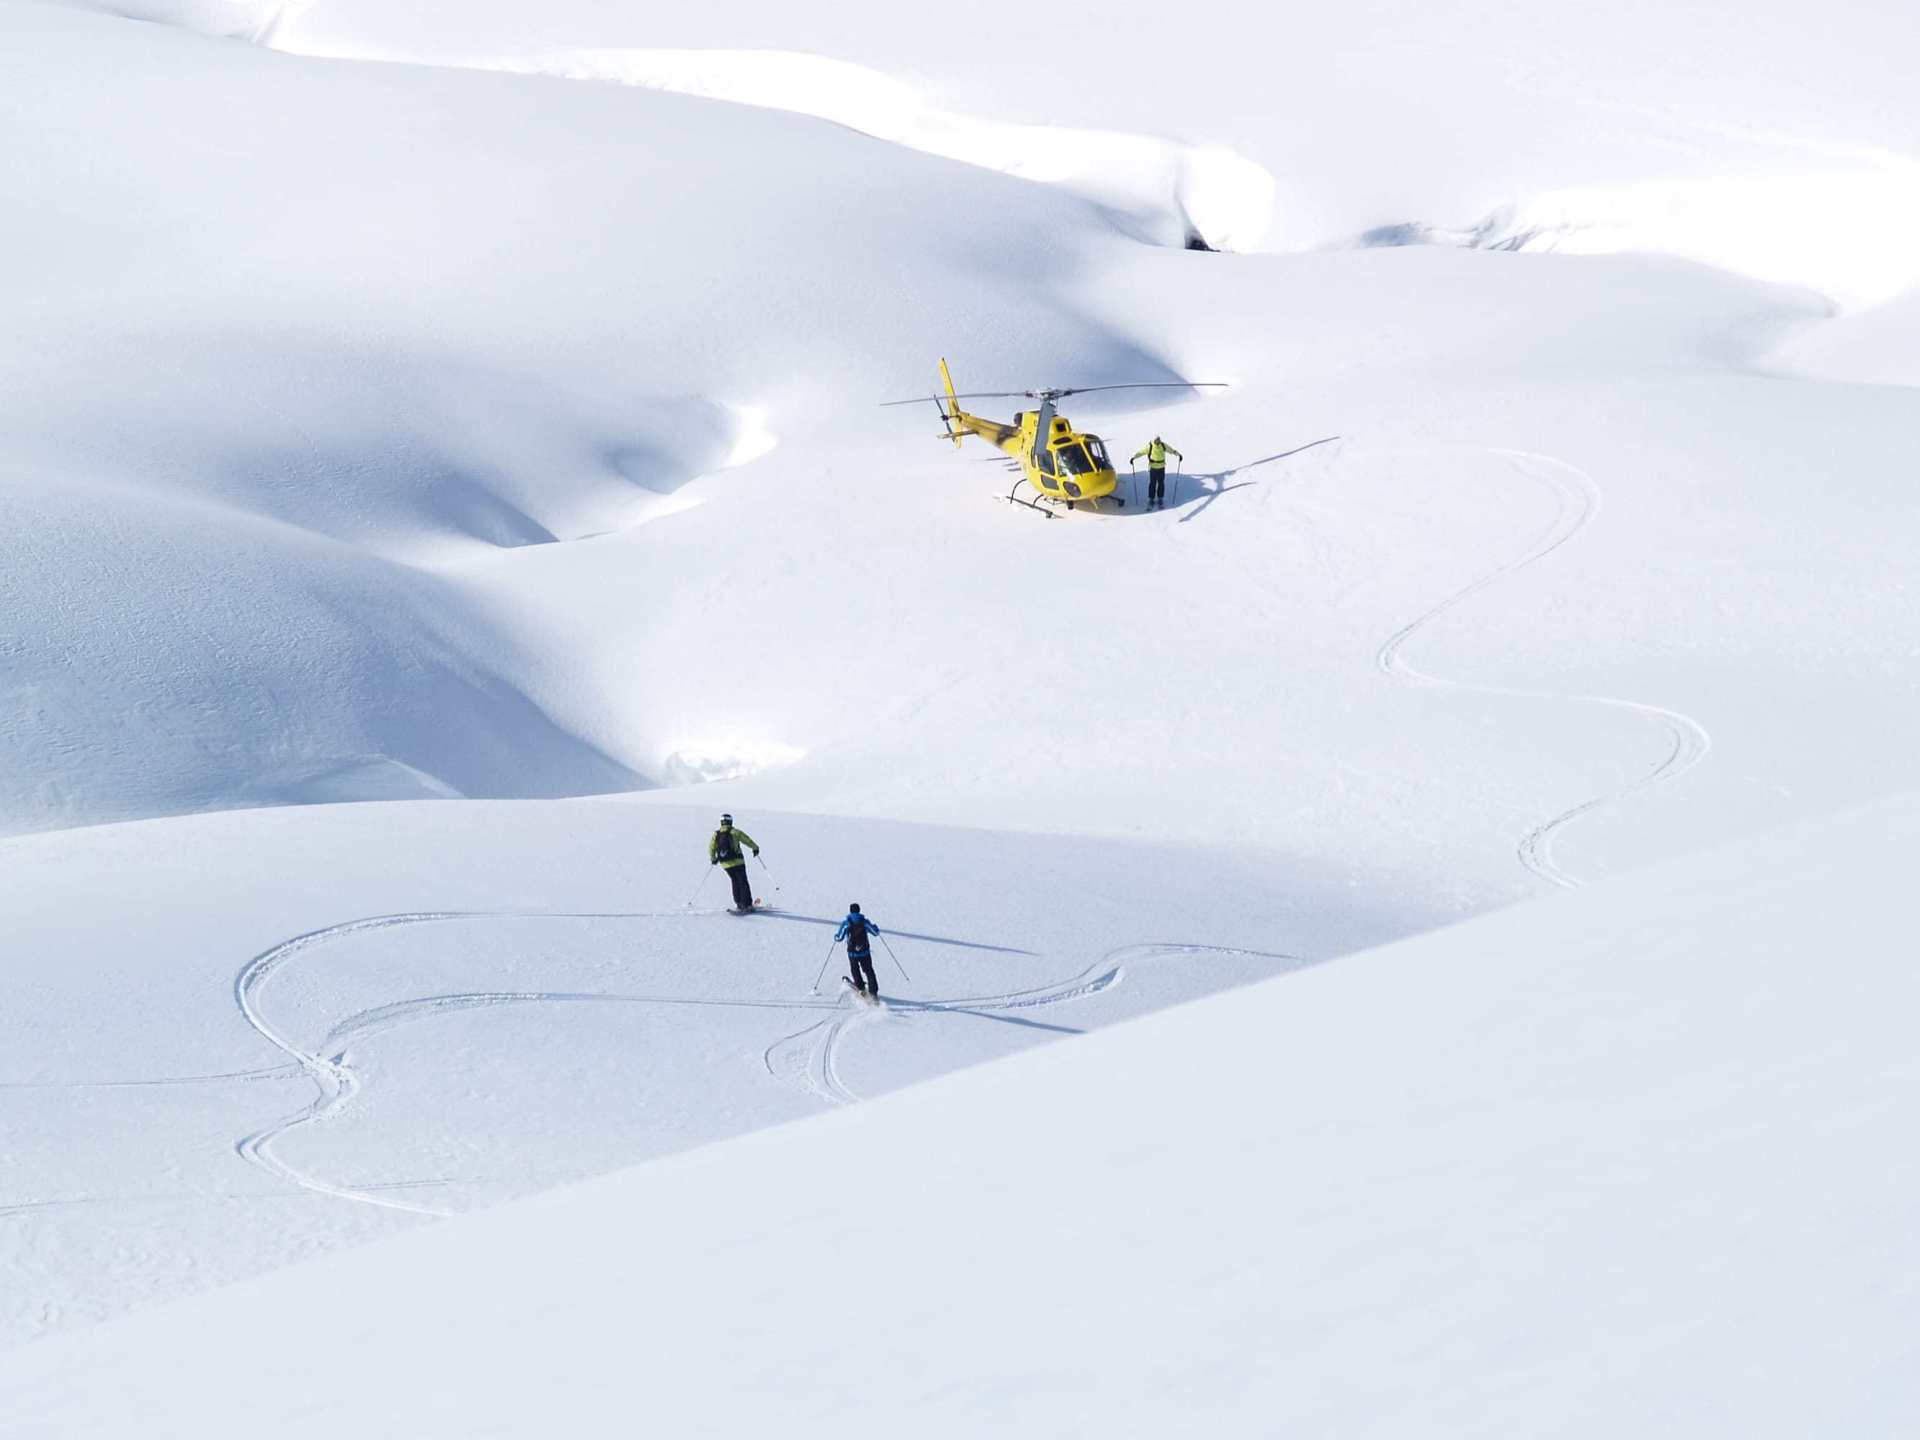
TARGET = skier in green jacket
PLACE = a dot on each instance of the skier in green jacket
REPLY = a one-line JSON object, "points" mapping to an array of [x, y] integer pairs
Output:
{"points": [[1156, 450], [724, 850]]}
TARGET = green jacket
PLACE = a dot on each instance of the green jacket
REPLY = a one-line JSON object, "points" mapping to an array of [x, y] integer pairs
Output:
{"points": [[1156, 451], [740, 838]]}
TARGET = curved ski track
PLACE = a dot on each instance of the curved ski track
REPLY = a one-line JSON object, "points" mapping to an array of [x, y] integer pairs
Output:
{"points": [[335, 1081], [1688, 740], [810, 1054]]}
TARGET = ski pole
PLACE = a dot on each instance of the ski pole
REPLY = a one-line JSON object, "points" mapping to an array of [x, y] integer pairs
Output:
{"points": [[1133, 484], [763, 866], [697, 889], [832, 945], [895, 958]]}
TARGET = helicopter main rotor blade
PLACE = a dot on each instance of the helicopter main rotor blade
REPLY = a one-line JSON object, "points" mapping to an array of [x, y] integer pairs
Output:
{"points": [[1062, 394], [964, 395], [1138, 385]]}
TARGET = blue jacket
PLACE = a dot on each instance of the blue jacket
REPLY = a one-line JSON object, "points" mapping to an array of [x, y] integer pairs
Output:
{"points": [[847, 924]]}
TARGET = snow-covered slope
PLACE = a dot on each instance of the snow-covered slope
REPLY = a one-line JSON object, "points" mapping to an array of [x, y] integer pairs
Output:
{"points": [[382, 318], [439, 354], [239, 1039], [1628, 1162], [1744, 138], [478, 403]]}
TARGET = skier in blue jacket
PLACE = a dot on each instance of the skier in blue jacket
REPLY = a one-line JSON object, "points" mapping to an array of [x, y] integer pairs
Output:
{"points": [[855, 930]]}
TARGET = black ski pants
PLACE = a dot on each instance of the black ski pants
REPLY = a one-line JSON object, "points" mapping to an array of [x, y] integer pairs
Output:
{"points": [[861, 964], [1156, 484], [742, 887]]}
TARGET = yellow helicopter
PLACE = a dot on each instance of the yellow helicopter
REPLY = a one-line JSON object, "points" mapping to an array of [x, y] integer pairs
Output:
{"points": [[1062, 464]]}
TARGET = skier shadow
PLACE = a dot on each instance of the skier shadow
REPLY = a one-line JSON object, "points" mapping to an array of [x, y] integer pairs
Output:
{"points": [[1216, 484], [897, 934], [938, 1007]]}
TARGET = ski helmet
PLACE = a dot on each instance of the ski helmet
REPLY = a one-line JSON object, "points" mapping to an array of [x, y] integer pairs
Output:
{"points": [[853, 909], [726, 820]]}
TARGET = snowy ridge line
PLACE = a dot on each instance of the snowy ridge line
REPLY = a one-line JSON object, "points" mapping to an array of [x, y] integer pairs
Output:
{"points": [[1579, 500], [333, 1079], [1159, 190]]}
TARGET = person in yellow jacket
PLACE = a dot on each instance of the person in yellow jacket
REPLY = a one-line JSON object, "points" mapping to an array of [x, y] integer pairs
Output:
{"points": [[1156, 450], [724, 850]]}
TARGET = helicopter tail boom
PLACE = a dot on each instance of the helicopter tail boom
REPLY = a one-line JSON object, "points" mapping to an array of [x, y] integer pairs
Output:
{"points": [[960, 424], [951, 410]]}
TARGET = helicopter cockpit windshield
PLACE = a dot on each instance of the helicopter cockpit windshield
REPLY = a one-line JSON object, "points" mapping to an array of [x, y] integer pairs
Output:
{"points": [[1073, 460]]}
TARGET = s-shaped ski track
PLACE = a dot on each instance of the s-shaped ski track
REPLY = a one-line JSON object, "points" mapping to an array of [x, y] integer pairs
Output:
{"points": [[819, 1044], [334, 1081], [1688, 741]]}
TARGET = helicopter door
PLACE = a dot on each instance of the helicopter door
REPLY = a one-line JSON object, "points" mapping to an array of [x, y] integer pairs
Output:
{"points": [[1043, 460]]}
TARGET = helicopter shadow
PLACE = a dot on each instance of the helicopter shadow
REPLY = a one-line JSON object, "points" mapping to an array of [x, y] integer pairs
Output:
{"points": [[1215, 483]]}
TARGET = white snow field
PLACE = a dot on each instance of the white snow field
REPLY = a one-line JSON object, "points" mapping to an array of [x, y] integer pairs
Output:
{"points": [[442, 467], [1629, 1162]]}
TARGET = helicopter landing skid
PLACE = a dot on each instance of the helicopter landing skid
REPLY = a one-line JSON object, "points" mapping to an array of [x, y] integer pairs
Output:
{"points": [[1013, 498]]}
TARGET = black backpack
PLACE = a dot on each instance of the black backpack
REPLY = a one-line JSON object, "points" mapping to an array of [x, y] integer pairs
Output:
{"points": [[857, 935], [725, 847]]}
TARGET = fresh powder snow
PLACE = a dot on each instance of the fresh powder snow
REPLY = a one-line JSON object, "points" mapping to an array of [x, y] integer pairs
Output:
{"points": [[444, 466]]}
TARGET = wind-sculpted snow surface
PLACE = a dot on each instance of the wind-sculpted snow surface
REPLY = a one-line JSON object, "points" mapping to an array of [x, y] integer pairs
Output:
{"points": [[401, 346], [168, 656], [1161, 190]]}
